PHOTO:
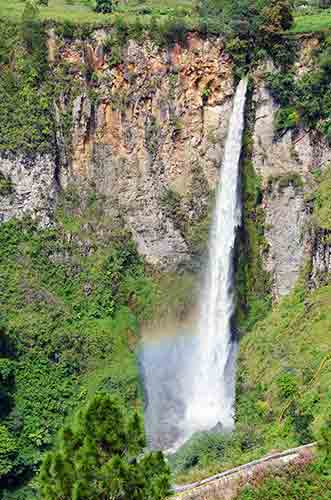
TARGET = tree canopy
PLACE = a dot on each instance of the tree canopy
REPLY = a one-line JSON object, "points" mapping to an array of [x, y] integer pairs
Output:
{"points": [[98, 456]]}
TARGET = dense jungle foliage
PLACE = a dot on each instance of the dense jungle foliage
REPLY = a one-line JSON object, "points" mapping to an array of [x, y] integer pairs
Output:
{"points": [[71, 305]]}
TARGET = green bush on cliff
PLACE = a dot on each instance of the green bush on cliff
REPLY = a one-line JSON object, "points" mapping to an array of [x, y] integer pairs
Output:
{"points": [[8, 452], [8, 445], [253, 282], [202, 449], [254, 29]]}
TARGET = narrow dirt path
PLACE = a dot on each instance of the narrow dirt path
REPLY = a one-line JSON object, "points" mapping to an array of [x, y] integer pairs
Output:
{"points": [[224, 486]]}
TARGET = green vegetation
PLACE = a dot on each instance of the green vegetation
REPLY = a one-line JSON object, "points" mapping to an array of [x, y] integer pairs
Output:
{"points": [[199, 451], [303, 479], [284, 379], [298, 481], [322, 205], [246, 41], [253, 282], [8, 448], [192, 219], [314, 23], [104, 6], [96, 457], [72, 326], [304, 101], [26, 122], [5, 185], [72, 303], [84, 12]]}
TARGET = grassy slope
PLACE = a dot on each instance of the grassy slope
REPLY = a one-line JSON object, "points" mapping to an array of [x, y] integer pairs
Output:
{"points": [[285, 378], [83, 12], [312, 23]]}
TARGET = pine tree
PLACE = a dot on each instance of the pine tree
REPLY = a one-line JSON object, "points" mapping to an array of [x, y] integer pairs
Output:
{"points": [[97, 457]]}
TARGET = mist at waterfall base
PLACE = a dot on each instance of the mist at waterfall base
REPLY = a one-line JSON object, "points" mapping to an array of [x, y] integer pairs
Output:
{"points": [[189, 378]]}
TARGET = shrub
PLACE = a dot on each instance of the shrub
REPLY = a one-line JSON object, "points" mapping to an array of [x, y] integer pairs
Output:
{"points": [[170, 201], [169, 32], [66, 30], [286, 118], [300, 480], [74, 317], [202, 449], [277, 16], [104, 6], [324, 441], [6, 186], [281, 86], [283, 181], [8, 444], [324, 4], [31, 25], [174, 31], [120, 30], [26, 121], [287, 385], [307, 100]]}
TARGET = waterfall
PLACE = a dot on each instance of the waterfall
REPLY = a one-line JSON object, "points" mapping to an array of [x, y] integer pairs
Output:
{"points": [[189, 379], [213, 372]]}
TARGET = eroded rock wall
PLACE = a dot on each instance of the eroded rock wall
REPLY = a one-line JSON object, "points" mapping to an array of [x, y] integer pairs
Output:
{"points": [[28, 187], [155, 133], [148, 136], [286, 165]]}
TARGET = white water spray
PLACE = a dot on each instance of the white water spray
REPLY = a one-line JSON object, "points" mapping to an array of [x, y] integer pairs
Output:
{"points": [[189, 379], [214, 370]]}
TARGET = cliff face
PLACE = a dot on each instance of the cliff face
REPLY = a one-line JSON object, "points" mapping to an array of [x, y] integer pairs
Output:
{"points": [[286, 165], [289, 157], [27, 186], [148, 135]]}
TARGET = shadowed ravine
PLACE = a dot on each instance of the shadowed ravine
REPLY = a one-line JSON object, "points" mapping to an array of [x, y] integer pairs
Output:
{"points": [[189, 378]]}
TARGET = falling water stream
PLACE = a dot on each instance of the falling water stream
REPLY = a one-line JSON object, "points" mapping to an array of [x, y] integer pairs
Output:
{"points": [[189, 378]]}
